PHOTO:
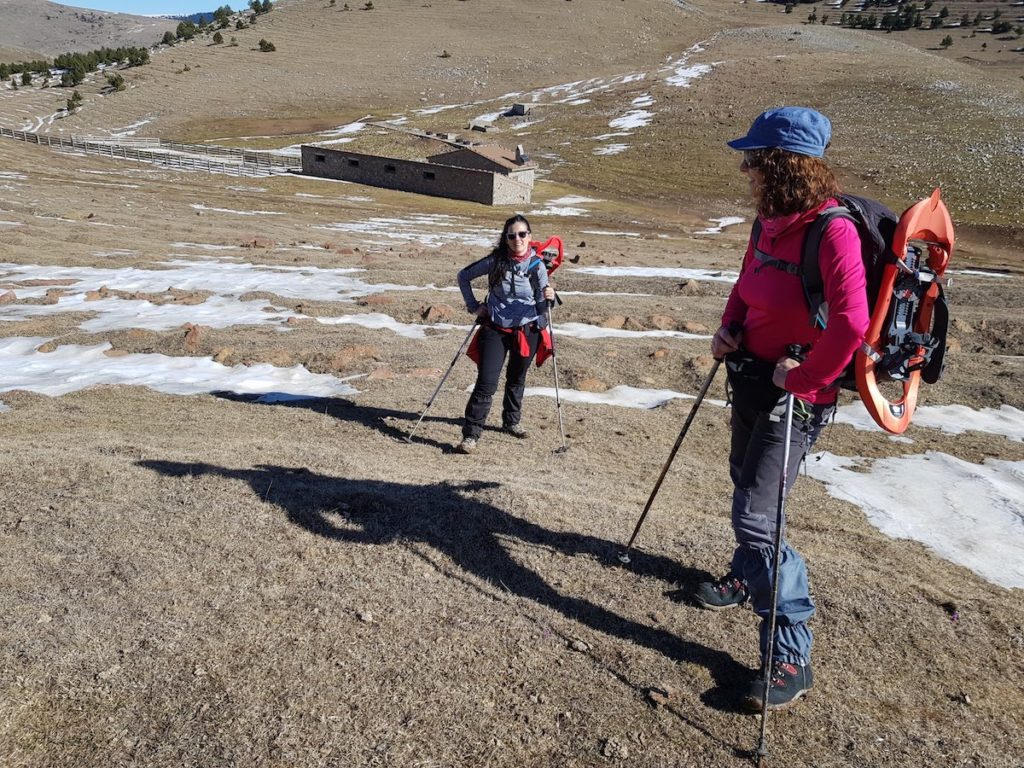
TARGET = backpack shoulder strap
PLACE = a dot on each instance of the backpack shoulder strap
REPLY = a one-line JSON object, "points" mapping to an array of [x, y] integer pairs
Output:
{"points": [[810, 266]]}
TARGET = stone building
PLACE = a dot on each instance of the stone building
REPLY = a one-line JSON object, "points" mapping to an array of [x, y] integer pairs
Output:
{"points": [[482, 173]]}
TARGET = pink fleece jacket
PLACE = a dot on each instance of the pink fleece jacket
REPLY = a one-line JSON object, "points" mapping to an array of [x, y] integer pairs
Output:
{"points": [[770, 306]]}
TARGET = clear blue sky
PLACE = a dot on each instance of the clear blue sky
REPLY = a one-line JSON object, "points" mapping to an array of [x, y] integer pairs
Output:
{"points": [[155, 7]]}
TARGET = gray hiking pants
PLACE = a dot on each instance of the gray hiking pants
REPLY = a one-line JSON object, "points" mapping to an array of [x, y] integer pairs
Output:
{"points": [[755, 466]]}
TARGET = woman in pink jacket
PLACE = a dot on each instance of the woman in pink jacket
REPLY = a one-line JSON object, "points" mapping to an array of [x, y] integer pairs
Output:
{"points": [[765, 315]]}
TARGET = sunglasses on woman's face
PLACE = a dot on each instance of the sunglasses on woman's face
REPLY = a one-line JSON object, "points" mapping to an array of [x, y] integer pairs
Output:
{"points": [[521, 235]]}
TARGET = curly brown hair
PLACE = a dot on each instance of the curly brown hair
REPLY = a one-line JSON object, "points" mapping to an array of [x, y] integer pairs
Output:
{"points": [[790, 183]]}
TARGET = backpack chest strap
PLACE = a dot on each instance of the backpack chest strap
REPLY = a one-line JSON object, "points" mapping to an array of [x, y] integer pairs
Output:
{"points": [[770, 261]]}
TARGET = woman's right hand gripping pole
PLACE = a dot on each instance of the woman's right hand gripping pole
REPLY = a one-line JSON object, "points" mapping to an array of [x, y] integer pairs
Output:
{"points": [[726, 340]]}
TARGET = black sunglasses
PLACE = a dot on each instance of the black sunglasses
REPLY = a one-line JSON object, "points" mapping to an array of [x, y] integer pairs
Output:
{"points": [[514, 235]]}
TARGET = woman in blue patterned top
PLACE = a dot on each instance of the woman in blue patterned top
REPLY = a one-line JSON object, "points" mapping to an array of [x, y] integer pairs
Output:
{"points": [[511, 321]]}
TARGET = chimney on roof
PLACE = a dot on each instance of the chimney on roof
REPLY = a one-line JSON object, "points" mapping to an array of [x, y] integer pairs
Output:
{"points": [[521, 156]]}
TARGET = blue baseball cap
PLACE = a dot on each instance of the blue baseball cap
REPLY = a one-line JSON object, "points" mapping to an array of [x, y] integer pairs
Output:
{"points": [[794, 129]]}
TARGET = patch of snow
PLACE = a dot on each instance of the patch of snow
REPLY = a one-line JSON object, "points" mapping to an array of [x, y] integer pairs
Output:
{"points": [[585, 331], [951, 419], [684, 76], [72, 367], [202, 207], [621, 396], [720, 224], [378, 321], [635, 118], [970, 514], [678, 273]]}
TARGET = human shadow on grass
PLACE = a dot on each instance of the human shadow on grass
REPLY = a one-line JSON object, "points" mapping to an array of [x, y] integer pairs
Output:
{"points": [[388, 421], [449, 519]]}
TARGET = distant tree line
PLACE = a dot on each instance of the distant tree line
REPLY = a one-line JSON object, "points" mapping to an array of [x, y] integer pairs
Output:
{"points": [[905, 14], [202, 23], [77, 65]]}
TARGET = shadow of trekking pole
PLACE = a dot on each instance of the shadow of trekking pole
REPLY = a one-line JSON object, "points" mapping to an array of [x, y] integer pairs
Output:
{"points": [[444, 378]]}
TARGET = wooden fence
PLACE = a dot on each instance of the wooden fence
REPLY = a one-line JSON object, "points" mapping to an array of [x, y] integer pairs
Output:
{"points": [[171, 154]]}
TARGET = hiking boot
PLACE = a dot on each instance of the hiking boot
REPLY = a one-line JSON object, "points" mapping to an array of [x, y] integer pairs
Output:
{"points": [[789, 682], [727, 592], [468, 445], [517, 430]]}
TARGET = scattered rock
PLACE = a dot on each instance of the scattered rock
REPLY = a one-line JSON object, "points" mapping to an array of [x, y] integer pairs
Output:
{"points": [[583, 244], [365, 616], [633, 325], [139, 333], [376, 300], [702, 364], [659, 353], [8, 297], [691, 327], [115, 352], [615, 322], [689, 287], [662, 322], [191, 298], [102, 293], [344, 251], [591, 385], [193, 336], [662, 695], [50, 346], [257, 241], [348, 356], [300, 321], [280, 358], [53, 296], [615, 750], [579, 645], [223, 354], [438, 313]]}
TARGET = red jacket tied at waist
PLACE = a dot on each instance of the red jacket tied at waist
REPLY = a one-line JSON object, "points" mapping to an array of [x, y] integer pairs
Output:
{"points": [[545, 348]]}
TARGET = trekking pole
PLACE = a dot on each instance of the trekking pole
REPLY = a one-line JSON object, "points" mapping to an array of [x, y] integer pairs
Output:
{"points": [[558, 399], [444, 378], [624, 557], [762, 746]]}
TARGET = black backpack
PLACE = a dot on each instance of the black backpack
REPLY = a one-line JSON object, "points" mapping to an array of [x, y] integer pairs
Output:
{"points": [[876, 225]]}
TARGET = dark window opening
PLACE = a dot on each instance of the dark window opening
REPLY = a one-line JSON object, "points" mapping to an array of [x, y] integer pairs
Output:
{"points": [[321, 158], [389, 168], [353, 163], [428, 175]]}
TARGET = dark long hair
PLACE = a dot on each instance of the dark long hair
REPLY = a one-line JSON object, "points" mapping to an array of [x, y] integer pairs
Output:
{"points": [[790, 183], [502, 258]]}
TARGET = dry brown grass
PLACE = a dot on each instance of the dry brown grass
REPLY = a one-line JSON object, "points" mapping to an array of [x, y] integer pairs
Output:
{"points": [[208, 581]]}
